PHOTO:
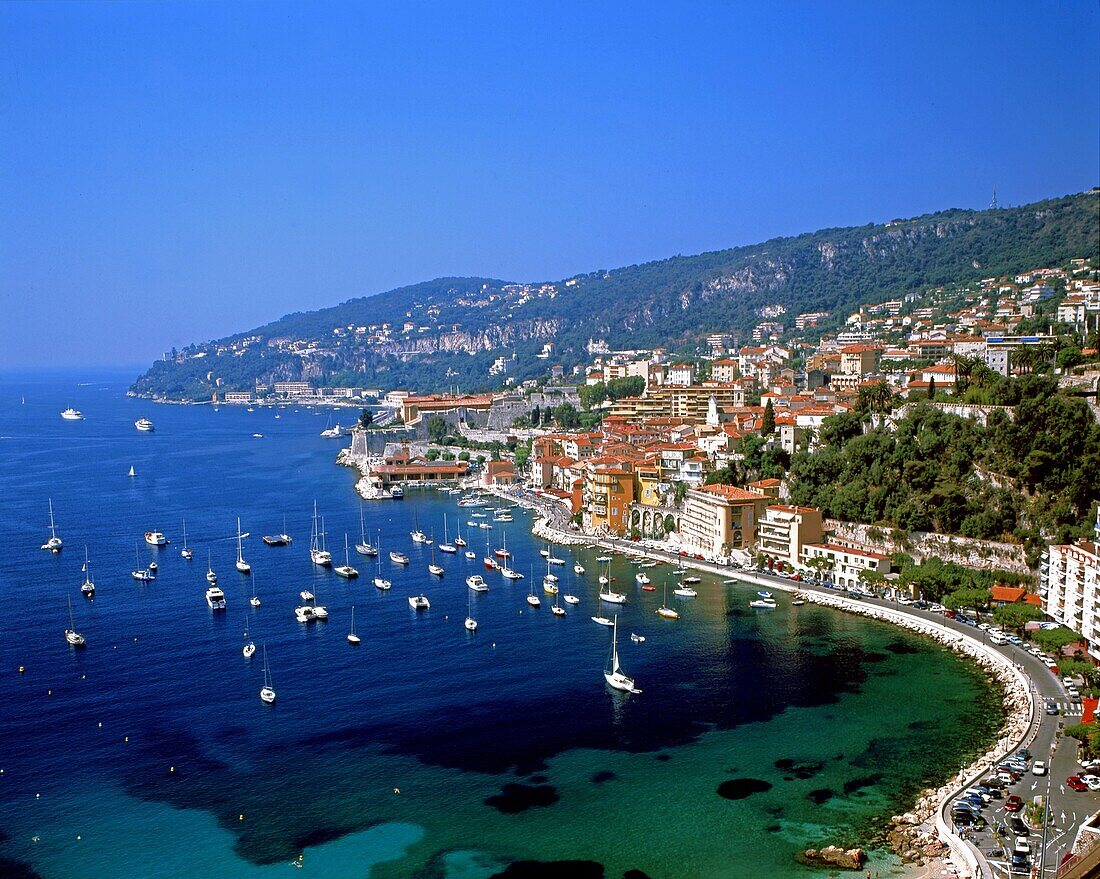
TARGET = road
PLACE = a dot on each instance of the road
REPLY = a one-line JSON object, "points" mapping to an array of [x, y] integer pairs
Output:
{"points": [[1068, 808]]}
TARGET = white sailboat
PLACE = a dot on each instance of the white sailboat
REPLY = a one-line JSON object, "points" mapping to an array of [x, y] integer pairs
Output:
{"points": [[267, 694], [578, 568], [363, 547], [433, 568], [72, 636], [317, 553], [613, 674], [352, 637], [460, 541], [186, 551], [241, 565], [416, 534], [54, 543], [346, 570], [131, 474], [556, 609], [250, 646], [87, 588], [381, 582], [142, 575], [665, 611], [607, 593], [471, 623], [254, 600], [211, 577], [446, 545]]}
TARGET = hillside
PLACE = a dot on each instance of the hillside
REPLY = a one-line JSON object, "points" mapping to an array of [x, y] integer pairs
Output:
{"points": [[448, 331]]}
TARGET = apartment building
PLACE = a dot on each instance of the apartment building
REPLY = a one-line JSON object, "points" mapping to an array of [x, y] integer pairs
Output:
{"points": [[845, 563], [784, 531], [720, 518], [1069, 577]]}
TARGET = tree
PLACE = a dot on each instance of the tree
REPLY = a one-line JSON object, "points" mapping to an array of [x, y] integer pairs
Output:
{"points": [[536, 415], [432, 455], [366, 418], [767, 423], [437, 429], [1013, 617], [523, 453], [464, 455], [932, 388], [680, 492], [566, 415]]}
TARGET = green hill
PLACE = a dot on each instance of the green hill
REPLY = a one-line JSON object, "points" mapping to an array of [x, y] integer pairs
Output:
{"points": [[459, 326]]}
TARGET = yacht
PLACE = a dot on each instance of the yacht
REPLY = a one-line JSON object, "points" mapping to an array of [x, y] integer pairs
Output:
{"points": [[241, 565], [215, 598], [305, 595], [74, 637], [248, 648], [142, 575], [352, 637], [72, 414], [156, 538], [433, 568], [145, 425], [304, 614], [397, 492], [416, 534], [665, 611], [87, 588], [613, 674], [572, 599], [763, 604], [603, 621], [685, 592], [267, 694], [460, 541], [186, 552], [502, 551], [419, 602], [603, 558], [470, 554], [477, 583], [510, 574], [53, 543], [399, 558], [612, 597], [346, 570], [578, 568], [641, 578], [320, 612], [317, 552], [637, 639]]}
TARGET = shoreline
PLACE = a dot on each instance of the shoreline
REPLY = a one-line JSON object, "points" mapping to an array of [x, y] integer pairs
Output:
{"points": [[921, 837]]}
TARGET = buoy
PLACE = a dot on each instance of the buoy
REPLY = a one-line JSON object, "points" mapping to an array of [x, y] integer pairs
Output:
{"points": [[240, 817], [21, 669], [84, 677], [172, 769], [397, 790], [126, 739], [78, 837], [101, 724], [49, 692]]}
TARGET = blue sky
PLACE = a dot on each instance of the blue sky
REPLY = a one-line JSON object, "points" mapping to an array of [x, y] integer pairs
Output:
{"points": [[177, 172]]}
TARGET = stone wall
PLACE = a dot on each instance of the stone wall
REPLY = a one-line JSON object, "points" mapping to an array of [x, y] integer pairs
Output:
{"points": [[920, 545]]}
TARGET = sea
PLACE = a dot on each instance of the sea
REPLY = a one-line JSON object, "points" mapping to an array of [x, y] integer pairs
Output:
{"points": [[426, 750]]}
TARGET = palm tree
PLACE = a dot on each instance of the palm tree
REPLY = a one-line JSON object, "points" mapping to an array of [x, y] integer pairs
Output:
{"points": [[876, 399]]}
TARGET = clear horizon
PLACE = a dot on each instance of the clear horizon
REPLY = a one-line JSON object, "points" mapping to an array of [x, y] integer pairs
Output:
{"points": [[175, 172]]}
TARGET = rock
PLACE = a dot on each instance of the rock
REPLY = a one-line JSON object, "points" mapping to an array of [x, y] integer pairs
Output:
{"points": [[834, 856]]}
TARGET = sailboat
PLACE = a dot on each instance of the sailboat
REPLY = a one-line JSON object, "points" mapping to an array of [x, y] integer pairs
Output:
{"points": [[419, 602], [459, 540], [502, 551], [318, 555], [446, 545], [607, 594], [363, 547], [254, 600], [131, 474], [211, 577], [87, 588], [550, 581], [267, 694], [416, 534], [346, 570], [665, 611], [186, 551], [74, 637], [613, 674], [556, 609], [533, 599], [381, 582], [250, 646], [142, 575], [278, 539], [433, 568], [578, 568], [242, 566], [54, 543], [491, 563], [471, 623], [352, 637]]}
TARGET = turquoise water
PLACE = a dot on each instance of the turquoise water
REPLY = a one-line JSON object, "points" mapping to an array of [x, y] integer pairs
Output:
{"points": [[505, 745]]}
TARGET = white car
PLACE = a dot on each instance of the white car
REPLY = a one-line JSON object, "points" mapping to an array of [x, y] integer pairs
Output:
{"points": [[1093, 781], [1039, 768], [937, 608], [1022, 846]]}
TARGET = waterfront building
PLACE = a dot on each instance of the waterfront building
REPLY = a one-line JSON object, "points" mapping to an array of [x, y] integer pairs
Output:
{"points": [[719, 518], [845, 563], [607, 495], [784, 531], [1069, 578]]}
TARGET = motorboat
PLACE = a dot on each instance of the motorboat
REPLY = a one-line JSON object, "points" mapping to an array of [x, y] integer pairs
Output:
{"points": [[144, 425], [155, 538], [691, 580], [641, 578], [477, 583], [603, 621], [399, 558], [613, 674], [53, 542], [578, 568], [72, 414], [419, 602], [470, 554], [764, 593], [572, 599], [685, 592], [397, 492], [603, 558], [305, 595], [763, 604], [215, 598], [798, 602], [637, 639], [304, 614], [649, 587]]}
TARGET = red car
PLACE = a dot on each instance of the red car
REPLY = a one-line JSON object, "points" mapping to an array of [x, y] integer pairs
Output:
{"points": [[1013, 804], [1074, 781]]}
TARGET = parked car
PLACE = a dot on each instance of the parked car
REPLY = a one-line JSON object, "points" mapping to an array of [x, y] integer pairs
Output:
{"points": [[1092, 781], [936, 607], [1039, 768], [1020, 863], [1073, 693], [1024, 754], [1014, 804], [1021, 846], [1074, 783], [1018, 826]]}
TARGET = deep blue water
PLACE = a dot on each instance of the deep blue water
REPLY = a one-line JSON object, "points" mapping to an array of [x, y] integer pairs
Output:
{"points": [[155, 729]]}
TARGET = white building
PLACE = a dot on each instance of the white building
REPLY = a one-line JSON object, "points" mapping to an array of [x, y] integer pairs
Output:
{"points": [[1069, 576], [845, 562]]}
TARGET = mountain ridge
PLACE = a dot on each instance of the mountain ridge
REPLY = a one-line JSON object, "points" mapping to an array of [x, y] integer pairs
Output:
{"points": [[449, 330]]}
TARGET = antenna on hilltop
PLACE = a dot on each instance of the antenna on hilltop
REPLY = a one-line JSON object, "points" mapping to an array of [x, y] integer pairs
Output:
{"points": [[993, 202]]}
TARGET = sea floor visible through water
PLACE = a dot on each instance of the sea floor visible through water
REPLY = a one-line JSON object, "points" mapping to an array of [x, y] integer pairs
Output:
{"points": [[425, 750]]}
